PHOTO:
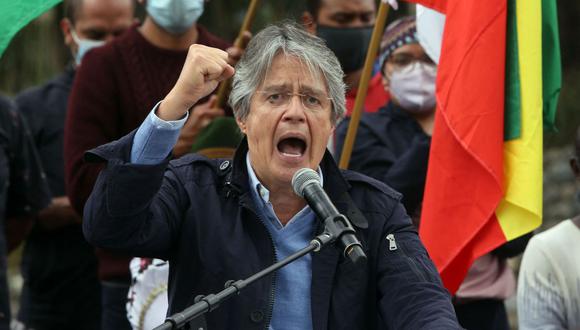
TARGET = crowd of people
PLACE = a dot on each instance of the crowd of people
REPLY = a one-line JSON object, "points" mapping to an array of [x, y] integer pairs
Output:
{"points": [[125, 218]]}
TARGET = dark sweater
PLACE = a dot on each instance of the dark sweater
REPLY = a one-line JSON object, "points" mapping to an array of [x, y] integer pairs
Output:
{"points": [[115, 88]]}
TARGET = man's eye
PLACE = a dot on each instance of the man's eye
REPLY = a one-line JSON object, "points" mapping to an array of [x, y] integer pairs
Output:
{"points": [[367, 18], [311, 100], [274, 97], [95, 35]]}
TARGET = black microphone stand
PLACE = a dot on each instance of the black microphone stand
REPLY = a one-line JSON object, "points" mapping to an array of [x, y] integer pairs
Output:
{"points": [[333, 230]]}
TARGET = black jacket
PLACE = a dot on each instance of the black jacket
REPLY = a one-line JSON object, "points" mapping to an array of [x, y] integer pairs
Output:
{"points": [[199, 214], [44, 108], [58, 266], [23, 190], [391, 147]]}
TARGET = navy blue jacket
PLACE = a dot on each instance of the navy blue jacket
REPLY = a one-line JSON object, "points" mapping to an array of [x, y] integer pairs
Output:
{"points": [[199, 214]]}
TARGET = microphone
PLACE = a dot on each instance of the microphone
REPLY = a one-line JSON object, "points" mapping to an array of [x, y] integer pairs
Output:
{"points": [[306, 183]]}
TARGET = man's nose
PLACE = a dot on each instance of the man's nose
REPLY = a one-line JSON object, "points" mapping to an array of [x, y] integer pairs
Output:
{"points": [[295, 110]]}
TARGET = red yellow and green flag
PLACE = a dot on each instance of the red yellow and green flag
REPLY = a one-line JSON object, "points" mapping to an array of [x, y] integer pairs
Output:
{"points": [[498, 83]]}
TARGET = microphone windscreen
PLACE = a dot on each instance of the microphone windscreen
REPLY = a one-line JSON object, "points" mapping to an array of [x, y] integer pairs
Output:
{"points": [[302, 178]]}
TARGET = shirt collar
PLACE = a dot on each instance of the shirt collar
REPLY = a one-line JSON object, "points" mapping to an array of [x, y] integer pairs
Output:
{"points": [[258, 187]]}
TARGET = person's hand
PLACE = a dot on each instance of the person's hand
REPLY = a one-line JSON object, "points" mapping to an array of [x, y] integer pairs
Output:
{"points": [[201, 115], [61, 201], [58, 214], [235, 53], [203, 70]]}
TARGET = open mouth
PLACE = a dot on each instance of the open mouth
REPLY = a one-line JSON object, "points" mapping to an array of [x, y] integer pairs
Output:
{"points": [[292, 146]]}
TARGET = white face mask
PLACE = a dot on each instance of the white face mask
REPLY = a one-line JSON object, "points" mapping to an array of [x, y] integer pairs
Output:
{"points": [[175, 16], [413, 87], [84, 45]]}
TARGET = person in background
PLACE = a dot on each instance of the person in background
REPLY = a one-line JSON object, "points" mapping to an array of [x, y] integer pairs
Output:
{"points": [[392, 145], [23, 191], [346, 27], [549, 279], [114, 90], [61, 289]]}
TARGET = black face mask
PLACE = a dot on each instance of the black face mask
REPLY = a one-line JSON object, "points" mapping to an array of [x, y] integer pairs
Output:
{"points": [[348, 44]]}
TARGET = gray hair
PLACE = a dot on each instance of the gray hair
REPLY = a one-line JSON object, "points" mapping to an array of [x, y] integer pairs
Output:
{"points": [[290, 39]]}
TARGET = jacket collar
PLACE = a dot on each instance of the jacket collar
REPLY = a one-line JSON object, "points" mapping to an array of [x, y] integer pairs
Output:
{"points": [[334, 183], [394, 111]]}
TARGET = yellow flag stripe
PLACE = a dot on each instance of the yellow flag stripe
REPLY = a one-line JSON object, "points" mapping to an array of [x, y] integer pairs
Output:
{"points": [[521, 209]]}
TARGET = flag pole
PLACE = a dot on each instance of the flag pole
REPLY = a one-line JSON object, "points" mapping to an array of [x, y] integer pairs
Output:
{"points": [[239, 43], [363, 84]]}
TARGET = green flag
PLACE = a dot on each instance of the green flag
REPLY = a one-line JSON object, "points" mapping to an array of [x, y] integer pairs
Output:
{"points": [[16, 14], [551, 63], [551, 71], [513, 102]]}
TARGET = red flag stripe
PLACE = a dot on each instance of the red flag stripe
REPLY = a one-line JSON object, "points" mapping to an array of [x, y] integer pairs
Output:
{"points": [[464, 180]]}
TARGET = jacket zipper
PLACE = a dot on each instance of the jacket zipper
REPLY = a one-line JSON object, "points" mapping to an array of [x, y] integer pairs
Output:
{"points": [[274, 275], [393, 246], [392, 242]]}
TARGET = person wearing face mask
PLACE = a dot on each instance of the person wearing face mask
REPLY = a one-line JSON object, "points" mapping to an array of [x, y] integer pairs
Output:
{"points": [[392, 145], [346, 27], [114, 90], [61, 289]]}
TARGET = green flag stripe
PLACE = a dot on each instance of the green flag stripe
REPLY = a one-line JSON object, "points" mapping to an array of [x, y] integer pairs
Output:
{"points": [[551, 63], [15, 14], [513, 101]]}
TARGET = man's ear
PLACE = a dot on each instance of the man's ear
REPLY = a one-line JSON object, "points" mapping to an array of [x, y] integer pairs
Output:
{"points": [[308, 22], [241, 125], [66, 27]]}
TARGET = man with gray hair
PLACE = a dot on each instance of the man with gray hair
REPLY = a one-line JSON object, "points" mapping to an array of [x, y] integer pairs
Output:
{"points": [[217, 220]]}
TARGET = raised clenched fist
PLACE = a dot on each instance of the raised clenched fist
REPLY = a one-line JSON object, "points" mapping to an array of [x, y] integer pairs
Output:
{"points": [[203, 70]]}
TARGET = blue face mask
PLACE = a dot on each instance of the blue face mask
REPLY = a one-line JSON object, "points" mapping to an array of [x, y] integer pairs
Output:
{"points": [[84, 45], [175, 16]]}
